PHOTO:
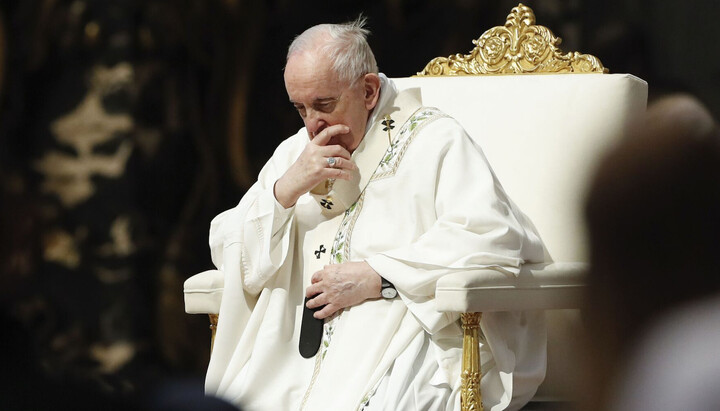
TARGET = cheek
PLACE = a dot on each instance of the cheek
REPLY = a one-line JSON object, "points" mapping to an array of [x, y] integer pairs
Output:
{"points": [[342, 139], [352, 140]]}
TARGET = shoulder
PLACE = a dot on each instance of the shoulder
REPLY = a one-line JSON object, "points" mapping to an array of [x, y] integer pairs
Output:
{"points": [[432, 139], [439, 131], [444, 143]]}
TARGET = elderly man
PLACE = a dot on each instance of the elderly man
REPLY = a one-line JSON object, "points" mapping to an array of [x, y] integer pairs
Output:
{"points": [[331, 258]]}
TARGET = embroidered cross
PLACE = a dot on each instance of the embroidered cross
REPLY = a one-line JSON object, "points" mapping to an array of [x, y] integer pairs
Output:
{"points": [[319, 251], [327, 203], [388, 123]]}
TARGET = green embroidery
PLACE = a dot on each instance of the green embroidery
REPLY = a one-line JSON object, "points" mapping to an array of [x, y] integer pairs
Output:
{"points": [[388, 165], [364, 402], [328, 329], [340, 251], [366, 399], [390, 153]]}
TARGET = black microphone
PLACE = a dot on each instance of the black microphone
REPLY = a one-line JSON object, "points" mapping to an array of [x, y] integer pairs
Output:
{"points": [[311, 330]]}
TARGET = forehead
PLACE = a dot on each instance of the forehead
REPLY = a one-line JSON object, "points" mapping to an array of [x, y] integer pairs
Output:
{"points": [[309, 76]]}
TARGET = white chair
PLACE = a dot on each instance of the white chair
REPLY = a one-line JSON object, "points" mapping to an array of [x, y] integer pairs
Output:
{"points": [[542, 135]]}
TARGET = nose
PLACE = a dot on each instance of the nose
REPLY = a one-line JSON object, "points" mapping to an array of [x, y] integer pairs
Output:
{"points": [[314, 122]]}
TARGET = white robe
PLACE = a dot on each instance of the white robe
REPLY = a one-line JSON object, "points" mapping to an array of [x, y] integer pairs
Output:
{"points": [[431, 207]]}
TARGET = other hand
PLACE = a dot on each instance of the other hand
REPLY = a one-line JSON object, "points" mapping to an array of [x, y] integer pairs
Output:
{"points": [[337, 286]]}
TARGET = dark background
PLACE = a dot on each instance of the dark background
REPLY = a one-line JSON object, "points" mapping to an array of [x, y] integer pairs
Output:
{"points": [[125, 126]]}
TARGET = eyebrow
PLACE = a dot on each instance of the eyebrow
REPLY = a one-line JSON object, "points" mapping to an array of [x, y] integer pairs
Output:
{"points": [[319, 100]]}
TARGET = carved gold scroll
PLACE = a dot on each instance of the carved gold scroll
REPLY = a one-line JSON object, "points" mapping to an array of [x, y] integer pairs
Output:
{"points": [[518, 47]]}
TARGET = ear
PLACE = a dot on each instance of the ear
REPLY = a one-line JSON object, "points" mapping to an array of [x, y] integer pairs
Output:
{"points": [[371, 88]]}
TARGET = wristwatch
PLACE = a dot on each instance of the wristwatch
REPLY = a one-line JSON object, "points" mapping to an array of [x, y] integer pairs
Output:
{"points": [[387, 290]]}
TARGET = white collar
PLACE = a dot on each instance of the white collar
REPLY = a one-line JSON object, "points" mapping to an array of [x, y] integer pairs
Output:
{"points": [[388, 92]]}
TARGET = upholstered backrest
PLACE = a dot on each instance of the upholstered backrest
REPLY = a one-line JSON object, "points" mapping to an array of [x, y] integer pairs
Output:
{"points": [[542, 135]]}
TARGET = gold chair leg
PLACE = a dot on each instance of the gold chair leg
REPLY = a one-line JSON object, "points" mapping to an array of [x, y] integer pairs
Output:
{"points": [[213, 328], [470, 397]]}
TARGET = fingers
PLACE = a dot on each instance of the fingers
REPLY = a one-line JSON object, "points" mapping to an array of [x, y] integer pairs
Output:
{"points": [[337, 174], [336, 151], [342, 169], [312, 290], [317, 165], [318, 301], [341, 164], [327, 311], [323, 137], [317, 276]]}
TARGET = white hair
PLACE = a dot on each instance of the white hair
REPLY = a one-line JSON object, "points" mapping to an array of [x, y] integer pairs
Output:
{"points": [[345, 44]]}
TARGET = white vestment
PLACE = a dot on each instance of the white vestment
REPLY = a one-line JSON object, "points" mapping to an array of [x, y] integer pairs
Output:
{"points": [[422, 207]]}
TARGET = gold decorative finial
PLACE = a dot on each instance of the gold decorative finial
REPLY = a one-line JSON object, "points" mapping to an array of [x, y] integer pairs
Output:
{"points": [[519, 46]]}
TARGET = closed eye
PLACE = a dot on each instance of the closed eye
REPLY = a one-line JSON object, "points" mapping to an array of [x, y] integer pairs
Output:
{"points": [[300, 109], [325, 106]]}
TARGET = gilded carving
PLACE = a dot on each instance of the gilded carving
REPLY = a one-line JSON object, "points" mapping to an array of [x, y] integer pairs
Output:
{"points": [[470, 397], [213, 327], [470, 392], [470, 320], [518, 47]]}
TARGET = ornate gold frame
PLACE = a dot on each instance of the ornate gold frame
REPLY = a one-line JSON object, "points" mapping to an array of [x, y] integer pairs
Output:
{"points": [[518, 47]]}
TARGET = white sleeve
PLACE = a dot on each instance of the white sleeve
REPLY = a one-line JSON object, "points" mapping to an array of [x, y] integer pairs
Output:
{"points": [[261, 225], [476, 226]]}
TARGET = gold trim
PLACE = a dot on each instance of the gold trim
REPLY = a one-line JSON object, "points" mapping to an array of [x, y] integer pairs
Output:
{"points": [[470, 398], [213, 328], [316, 372], [519, 47]]}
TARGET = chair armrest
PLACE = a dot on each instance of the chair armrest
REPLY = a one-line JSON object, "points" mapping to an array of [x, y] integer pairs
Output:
{"points": [[537, 287], [203, 292]]}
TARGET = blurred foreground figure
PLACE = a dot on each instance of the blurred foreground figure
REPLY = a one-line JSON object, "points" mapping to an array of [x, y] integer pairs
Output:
{"points": [[677, 364], [331, 259], [653, 220]]}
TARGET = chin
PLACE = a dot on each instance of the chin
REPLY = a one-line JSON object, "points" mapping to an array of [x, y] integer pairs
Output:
{"points": [[343, 141]]}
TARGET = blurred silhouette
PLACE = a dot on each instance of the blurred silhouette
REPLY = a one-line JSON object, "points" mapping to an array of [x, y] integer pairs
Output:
{"points": [[653, 224], [676, 365]]}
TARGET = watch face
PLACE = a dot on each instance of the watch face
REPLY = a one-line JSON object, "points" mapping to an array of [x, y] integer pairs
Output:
{"points": [[389, 292]]}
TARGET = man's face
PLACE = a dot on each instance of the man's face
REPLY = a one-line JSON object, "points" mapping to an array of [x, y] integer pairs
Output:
{"points": [[322, 100]]}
